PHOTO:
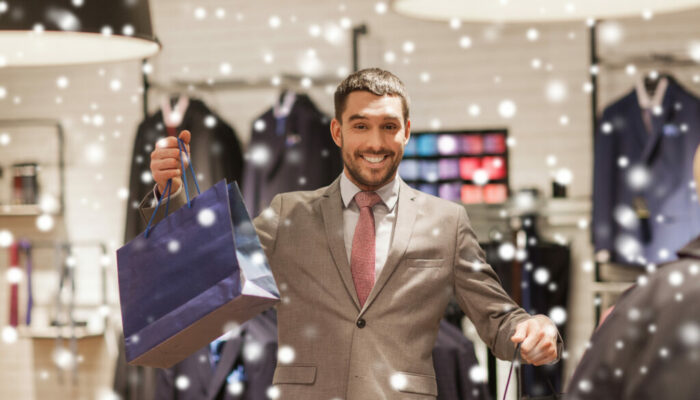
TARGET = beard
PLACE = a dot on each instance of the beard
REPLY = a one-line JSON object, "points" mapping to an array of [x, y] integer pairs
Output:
{"points": [[371, 178]]}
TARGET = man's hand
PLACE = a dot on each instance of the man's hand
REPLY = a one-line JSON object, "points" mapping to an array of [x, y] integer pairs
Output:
{"points": [[538, 336], [165, 162]]}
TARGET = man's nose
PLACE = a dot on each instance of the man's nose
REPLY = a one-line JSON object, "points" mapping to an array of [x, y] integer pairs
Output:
{"points": [[375, 140]]}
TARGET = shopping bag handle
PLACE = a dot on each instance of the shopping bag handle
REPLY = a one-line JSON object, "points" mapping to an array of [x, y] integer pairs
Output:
{"points": [[166, 193], [515, 360]]}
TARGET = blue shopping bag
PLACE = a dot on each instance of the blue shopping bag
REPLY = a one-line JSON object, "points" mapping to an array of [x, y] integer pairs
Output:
{"points": [[194, 275]]}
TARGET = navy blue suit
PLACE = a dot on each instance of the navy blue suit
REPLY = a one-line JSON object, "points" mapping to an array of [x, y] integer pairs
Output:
{"points": [[287, 154], [627, 155], [207, 383]]}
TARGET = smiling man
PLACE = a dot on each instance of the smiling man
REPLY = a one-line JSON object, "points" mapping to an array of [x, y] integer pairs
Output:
{"points": [[367, 265]]}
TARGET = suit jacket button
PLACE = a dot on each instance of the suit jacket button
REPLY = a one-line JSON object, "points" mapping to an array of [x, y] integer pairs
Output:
{"points": [[361, 323]]}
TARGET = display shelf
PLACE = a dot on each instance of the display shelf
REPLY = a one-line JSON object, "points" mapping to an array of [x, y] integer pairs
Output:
{"points": [[449, 163], [53, 332], [37, 126], [20, 210]]}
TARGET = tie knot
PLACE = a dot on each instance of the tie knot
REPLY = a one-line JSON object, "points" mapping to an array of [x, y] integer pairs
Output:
{"points": [[367, 199]]}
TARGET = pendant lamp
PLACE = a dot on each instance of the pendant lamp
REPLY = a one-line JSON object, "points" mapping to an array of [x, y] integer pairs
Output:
{"points": [[536, 10], [62, 32]]}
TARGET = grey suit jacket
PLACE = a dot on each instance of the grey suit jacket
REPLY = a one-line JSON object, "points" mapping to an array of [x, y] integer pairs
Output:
{"points": [[384, 349]]}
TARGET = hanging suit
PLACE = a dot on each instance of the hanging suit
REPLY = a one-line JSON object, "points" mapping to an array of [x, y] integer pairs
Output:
{"points": [[640, 223], [254, 348], [216, 155], [536, 297], [453, 359], [289, 153]]}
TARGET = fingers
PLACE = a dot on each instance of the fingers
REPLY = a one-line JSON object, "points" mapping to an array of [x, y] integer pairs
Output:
{"points": [[520, 332], [534, 337], [185, 136], [540, 344], [544, 352]]}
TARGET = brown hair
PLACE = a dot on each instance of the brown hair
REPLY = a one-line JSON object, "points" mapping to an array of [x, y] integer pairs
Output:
{"points": [[374, 80]]}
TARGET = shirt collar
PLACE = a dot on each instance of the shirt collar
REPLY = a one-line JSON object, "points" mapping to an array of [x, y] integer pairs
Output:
{"points": [[646, 102], [389, 193]]}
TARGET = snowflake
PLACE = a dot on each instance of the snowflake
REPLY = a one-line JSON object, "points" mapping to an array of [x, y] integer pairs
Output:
{"points": [[182, 382], [585, 385], [9, 334], [273, 392], [206, 217], [398, 381], [556, 91], [465, 42], [506, 251], [285, 355], [558, 315], [675, 278], [507, 109], [541, 275], [477, 374]]}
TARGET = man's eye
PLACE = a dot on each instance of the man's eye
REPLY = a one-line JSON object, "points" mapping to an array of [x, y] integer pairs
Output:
{"points": [[360, 126], [390, 127]]}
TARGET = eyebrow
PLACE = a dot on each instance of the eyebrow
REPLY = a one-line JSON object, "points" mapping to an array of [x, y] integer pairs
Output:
{"points": [[363, 117]]}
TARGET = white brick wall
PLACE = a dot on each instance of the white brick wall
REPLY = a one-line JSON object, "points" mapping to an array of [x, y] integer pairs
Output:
{"points": [[496, 67]]}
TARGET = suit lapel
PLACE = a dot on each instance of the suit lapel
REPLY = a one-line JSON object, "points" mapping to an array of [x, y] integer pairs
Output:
{"points": [[405, 218], [230, 352], [658, 123], [332, 209]]}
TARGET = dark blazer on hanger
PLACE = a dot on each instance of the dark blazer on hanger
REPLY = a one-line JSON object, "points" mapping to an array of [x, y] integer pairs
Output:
{"points": [[454, 358], [626, 156], [649, 346], [289, 154], [216, 155], [255, 347]]}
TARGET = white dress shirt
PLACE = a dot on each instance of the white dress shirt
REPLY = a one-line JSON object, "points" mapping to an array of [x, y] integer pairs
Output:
{"points": [[384, 218]]}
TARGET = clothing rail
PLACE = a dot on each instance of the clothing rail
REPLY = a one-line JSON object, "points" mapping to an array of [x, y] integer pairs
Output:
{"points": [[277, 81]]}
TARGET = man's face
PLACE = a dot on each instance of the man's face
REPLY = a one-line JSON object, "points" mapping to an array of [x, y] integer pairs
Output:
{"points": [[371, 138]]}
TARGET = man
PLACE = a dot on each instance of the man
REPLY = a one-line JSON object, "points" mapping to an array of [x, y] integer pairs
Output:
{"points": [[367, 265], [648, 346]]}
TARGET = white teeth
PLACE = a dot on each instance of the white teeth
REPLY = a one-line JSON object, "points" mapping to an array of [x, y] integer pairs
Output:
{"points": [[374, 160]]}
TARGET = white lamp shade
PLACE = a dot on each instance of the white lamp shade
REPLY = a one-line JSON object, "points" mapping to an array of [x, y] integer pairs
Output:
{"points": [[535, 10], [60, 32]]}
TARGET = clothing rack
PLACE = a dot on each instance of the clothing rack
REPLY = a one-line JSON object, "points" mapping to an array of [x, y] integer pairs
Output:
{"points": [[653, 59], [647, 60], [284, 80]]}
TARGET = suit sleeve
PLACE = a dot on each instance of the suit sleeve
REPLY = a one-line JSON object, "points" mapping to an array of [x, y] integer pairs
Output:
{"points": [[267, 224], [604, 172], [148, 205], [480, 294]]}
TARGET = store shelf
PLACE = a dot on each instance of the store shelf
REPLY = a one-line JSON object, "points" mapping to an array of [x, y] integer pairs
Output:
{"points": [[53, 332], [20, 210]]}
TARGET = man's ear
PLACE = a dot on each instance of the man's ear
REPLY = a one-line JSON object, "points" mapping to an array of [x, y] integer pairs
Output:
{"points": [[407, 132], [336, 133]]}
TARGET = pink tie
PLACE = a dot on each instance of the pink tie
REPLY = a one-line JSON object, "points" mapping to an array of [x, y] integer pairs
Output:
{"points": [[362, 255]]}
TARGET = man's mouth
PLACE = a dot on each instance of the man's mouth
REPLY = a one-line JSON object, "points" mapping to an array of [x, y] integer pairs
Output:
{"points": [[374, 159]]}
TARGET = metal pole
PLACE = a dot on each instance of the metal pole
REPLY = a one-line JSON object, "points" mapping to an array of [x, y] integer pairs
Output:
{"points": [[356, 32], [146, 87]]}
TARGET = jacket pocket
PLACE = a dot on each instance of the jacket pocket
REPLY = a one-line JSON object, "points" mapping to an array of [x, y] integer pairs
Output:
{"points": [[417, 383], [424, 262], [296, 374]]}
